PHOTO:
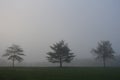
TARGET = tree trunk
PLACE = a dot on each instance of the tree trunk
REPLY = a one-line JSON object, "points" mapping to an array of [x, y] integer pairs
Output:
{"points": [[104, 62], [60, 62], [13, 63]]}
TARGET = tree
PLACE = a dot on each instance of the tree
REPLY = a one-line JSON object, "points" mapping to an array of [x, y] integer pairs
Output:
{"points": [[61, 53], [104, 51], [14, 53]]}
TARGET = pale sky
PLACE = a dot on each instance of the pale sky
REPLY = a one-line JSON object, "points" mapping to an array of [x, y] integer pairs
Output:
{"points": [[37, 24]]}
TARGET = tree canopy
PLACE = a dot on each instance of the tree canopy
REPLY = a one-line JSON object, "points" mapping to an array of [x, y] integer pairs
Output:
{"points": [[60, 53], [104, 51], [14, 53]]}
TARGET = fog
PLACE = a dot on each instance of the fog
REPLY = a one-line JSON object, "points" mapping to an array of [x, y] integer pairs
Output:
{"points": [[37, 24]]}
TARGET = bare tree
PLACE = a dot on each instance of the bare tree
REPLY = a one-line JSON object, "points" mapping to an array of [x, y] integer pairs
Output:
{"points": [[104, 51], [14, 53], [61, 53]]}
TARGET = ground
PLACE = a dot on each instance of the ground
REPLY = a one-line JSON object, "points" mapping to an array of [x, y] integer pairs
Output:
{"points": [[66, 73]]}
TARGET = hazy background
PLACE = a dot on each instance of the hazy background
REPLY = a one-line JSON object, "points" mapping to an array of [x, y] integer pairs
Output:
{"points": [[37, 24]]}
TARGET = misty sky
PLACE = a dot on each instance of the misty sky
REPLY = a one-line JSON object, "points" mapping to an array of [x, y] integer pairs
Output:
{"points": [[37, 24]]}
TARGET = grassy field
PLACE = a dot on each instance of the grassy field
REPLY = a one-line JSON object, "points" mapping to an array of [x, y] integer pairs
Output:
{"points": [[60, 74]]}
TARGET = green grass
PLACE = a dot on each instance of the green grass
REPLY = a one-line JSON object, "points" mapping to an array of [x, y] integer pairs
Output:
{"points": [[53, 73]]}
